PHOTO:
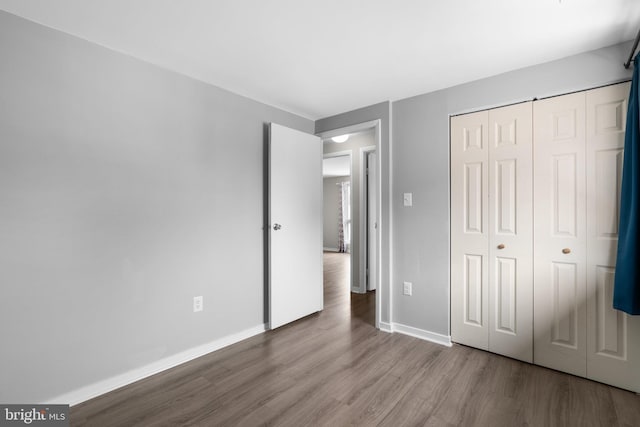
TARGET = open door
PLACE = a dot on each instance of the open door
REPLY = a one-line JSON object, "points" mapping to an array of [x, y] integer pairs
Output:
{"points": [[372, 220], [295, 225]]}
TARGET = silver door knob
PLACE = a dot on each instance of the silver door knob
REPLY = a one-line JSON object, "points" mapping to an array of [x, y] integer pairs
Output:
{"points": [[277, 227]]}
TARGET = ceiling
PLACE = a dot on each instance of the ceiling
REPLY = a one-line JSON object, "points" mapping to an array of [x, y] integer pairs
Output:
{"points": [[319, 58]]}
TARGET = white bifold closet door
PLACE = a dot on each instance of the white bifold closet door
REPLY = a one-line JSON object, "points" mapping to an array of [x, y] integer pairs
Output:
{"points": [[511, 232], [560, 233], [491, 231], [578, 151], [613, 338], [535, 198], [470, 229]]}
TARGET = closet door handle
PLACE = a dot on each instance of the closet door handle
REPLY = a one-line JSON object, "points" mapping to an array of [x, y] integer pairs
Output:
{"points": [[566, 251], [501, 246]]}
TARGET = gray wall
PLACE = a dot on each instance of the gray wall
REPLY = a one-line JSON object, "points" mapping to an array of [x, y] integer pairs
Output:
{"points": [[382, 112], [331, 196], [116, 209], [421, 166]]}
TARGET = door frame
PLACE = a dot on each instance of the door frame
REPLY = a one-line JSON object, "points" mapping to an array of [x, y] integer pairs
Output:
{"points": [[377, 127], [364, 200], [371, 203]]}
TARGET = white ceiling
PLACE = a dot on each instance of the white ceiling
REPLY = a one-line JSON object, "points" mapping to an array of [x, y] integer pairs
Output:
{"points": [[323, 57]]}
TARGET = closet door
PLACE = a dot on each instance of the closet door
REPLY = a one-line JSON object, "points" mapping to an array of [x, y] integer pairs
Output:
{"points": [[469, 230], [560, 227], [613, 337], [510, 232]]}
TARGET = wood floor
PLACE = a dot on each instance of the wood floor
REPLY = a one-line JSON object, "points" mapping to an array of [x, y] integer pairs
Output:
{"points": [[334, 368]]}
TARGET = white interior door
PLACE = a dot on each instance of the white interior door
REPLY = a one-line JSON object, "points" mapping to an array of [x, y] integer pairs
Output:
{"points": [[469, 230], [511, 231], [372, 220], [295, 221], [613, 337], [560, 242]]}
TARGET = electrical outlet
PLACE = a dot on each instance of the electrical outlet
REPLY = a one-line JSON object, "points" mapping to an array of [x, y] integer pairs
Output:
{"points": [[407, 289], [198, 304], [408, 199]]}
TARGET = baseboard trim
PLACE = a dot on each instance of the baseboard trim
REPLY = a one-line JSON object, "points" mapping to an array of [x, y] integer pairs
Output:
{"points": [[422, 334], [101, 387], [330, 249], [386, 327], [91, 391]]}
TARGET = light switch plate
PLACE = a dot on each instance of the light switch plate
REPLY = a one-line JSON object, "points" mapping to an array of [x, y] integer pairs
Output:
{"points": [[407, 288], [198, 304], [408, 199]]}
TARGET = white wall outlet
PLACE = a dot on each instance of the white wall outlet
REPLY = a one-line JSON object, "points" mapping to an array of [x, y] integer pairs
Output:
{"points": [[407, 288], [408, 199], [198, 304]]}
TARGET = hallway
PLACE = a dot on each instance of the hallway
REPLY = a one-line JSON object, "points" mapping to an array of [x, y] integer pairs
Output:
{"points": [[336, 290]]}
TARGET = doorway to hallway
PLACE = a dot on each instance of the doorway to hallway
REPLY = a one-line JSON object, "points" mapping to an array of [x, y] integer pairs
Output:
{"points": [[337, 296], [361, 142]]}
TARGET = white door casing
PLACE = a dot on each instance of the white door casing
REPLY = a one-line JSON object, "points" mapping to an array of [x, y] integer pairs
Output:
{"points": [[560, 227], [295, 225], [372, 220]]}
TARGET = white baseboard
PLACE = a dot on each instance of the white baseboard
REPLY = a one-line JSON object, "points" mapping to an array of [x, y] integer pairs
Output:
{"points": [[422, 334], [386, 327], [330, 249], [101, 387]]}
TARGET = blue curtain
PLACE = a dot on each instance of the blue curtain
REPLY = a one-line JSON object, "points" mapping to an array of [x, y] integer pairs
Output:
{"points": [[626, 291]]}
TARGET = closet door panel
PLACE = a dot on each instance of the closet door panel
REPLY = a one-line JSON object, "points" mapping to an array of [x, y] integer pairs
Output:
{"points": [[510, 231], [560, 226], [564, 313], [613, 349], [469, 230]]}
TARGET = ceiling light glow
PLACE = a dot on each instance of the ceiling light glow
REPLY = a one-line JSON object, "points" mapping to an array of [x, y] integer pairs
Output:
{"points": [[340, 139]]}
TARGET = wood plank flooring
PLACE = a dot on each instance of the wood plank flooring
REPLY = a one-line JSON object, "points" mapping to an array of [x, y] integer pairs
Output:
{"points": [[334, 368]]}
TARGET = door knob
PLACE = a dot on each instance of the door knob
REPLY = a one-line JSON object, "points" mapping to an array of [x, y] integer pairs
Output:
{"points": [[501, 246], [566, 251], [277, 227]]}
